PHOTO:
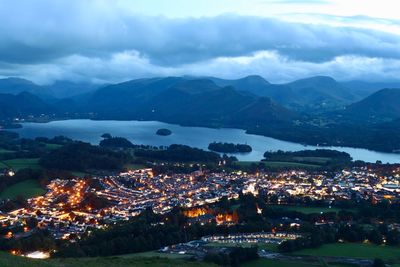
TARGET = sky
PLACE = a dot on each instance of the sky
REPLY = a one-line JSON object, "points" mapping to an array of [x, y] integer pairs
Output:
{"points": [[105, 41]]}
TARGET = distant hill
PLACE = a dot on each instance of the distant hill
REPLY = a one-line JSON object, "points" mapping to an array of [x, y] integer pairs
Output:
{"points": [[17, 85], [59, 89], [321, 92], [179, 100], [64, 89], [363, 89], [380, 106], [22, 104], [315, 93]]}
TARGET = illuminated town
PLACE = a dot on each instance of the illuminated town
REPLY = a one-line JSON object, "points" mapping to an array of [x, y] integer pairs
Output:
{"points": [[72, 207]]}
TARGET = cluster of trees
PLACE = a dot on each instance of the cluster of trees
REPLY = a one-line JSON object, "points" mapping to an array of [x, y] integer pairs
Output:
{"points": [[116, 143], [234, 257], [38, 240], [179, 153], [163, 132], [229, 147], [81, 156]]}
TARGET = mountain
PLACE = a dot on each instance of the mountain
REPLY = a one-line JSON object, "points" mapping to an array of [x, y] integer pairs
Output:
{"points": [[185, 101], [66, 89], [17, 85], [380, 106], [57, 90], [318, 93], [321, 92], [22, 105], [364, 89]]}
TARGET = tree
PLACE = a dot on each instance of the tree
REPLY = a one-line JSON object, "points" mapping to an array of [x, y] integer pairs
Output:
{"points": [[378, 263]]}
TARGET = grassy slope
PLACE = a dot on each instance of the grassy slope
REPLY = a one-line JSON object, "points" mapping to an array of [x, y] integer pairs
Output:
{"points": [[18, 164], [306, 210], [27, 189], [354, 250], [274, 263], [2, 150], [7, 260]]}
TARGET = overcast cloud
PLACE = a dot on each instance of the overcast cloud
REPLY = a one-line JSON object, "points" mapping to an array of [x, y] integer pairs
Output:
{"points": [[47, 40]]}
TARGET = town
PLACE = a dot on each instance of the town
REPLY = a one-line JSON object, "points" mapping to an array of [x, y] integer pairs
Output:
{"points": [[73, 207]]}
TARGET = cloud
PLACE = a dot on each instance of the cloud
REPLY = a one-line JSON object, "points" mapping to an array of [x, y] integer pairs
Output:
{"points": [[269, 64], [47, 40]]}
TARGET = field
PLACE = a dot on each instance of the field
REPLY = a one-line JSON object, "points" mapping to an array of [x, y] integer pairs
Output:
{"points": [[53, 146], [155, 254], [134, 166], [27, 189], [306, 210], [3, 166], [354, 250], [2, 151], [18, 164], [278, 164], [7, 260], [274, 263]]}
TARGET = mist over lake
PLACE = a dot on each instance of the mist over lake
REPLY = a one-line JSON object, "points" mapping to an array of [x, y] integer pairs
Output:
{"points": [[144, 132]]}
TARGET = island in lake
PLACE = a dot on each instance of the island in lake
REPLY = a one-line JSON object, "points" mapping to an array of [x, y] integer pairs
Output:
{"points": [[229, 147], [163, 132]]}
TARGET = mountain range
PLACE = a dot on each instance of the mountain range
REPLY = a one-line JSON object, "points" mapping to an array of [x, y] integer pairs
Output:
{"points": [[315, 105]]}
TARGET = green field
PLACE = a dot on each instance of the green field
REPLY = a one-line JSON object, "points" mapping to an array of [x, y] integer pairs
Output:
{"points": [[155, 254], [316, 160], [306, 210], [278, 164], [2, 165], [2, 151], [24, 163], [53, 146], [7, 260], [27, 189], [133, 166], [275, 263], [354, 250]]}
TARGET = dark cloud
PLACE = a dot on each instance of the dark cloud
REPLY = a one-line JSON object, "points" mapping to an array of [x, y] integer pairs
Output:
{"points": [[61, 33]]}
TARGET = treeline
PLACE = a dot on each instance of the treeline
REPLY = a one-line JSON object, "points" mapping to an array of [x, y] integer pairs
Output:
{"points": [[39, 240], [179, 153], [116, 142], [81, 156], [229, 147], [380, 137]]}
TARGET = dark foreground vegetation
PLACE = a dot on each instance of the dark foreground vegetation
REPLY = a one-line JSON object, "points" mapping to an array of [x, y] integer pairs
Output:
{"points": [[229, 147]]}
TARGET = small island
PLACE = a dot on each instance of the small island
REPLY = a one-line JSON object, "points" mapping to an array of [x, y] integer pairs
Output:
{"points": [[229, 147], [163, 132]]}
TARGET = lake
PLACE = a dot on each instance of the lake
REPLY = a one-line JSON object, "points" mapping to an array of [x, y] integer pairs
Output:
{"points": [[144, 132]]}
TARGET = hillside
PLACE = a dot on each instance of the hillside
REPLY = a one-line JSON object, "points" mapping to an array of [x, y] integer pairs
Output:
{"points": [[190, 102], [16, 85], [380, 106], [321, 92], [318, 93], [22, 104], [132, 260]]}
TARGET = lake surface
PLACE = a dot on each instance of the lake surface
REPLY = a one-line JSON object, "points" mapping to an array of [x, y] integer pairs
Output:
{"points": [[144, 132]]}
